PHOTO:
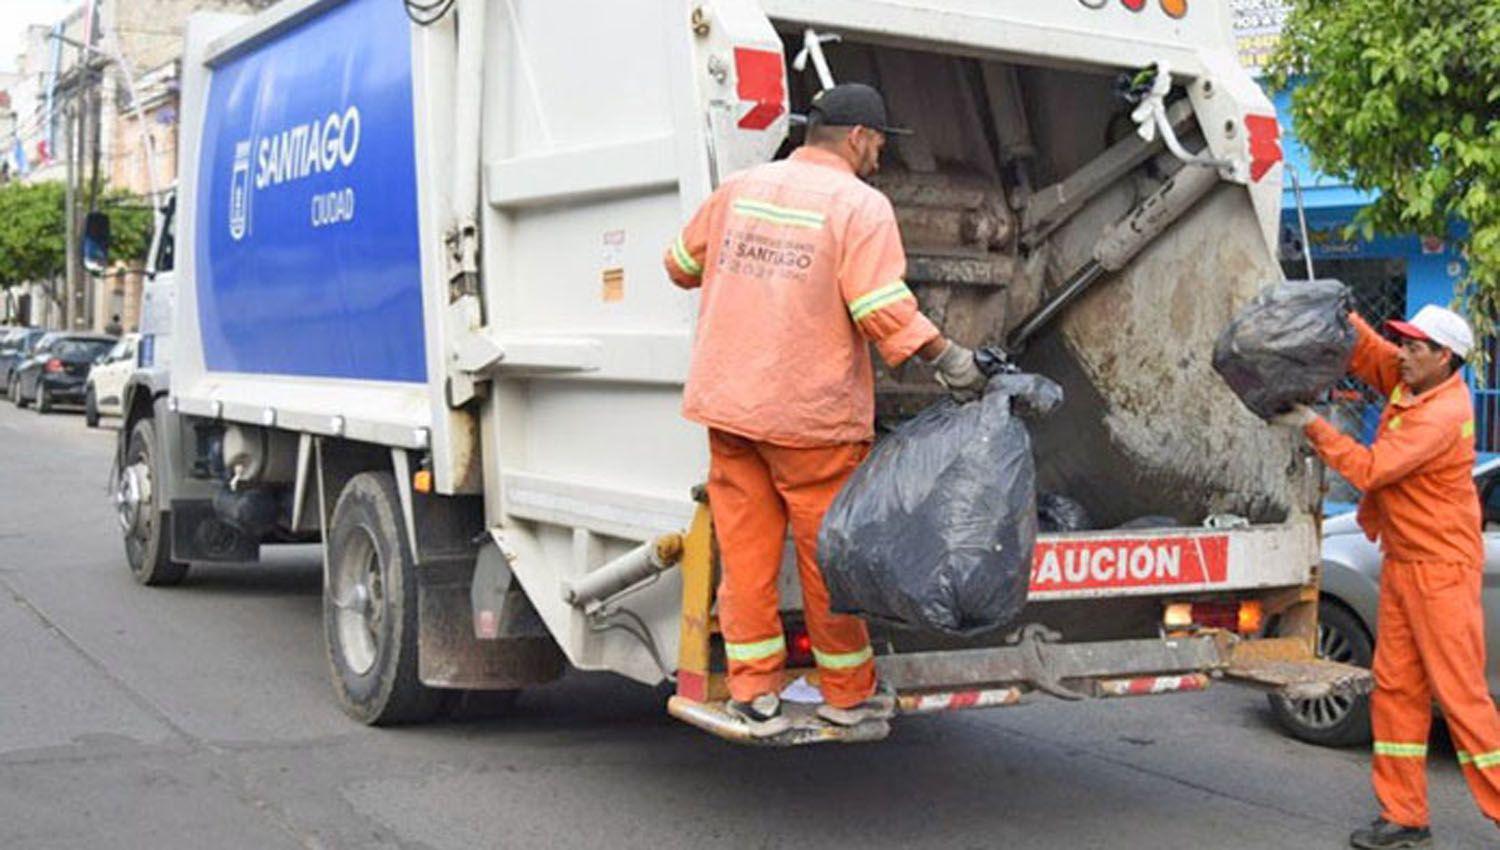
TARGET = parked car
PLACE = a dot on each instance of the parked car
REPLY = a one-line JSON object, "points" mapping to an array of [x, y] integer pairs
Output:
{"points": [[106, 380], [16, 345], [1346, 618], [56, 370]]}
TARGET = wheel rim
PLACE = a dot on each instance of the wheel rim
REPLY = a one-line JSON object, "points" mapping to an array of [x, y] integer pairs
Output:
{"points": [[132, 495], [358, 595], [1326, 712]]}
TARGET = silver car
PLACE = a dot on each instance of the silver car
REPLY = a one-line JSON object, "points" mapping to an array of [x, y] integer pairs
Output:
{"points": [[1346, 618]]}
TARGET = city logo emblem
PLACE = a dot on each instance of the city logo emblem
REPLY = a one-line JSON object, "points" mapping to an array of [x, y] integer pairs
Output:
{"points": [[239, 191]]}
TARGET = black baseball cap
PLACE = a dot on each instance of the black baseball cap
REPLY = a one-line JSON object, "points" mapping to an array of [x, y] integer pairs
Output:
{"points": [[853, 104]]}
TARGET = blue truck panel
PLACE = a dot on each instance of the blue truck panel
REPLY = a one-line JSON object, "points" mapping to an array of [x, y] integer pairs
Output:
{"points": [[308, 256]]}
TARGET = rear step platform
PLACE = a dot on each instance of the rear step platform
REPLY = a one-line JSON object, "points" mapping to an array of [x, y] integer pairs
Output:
{"points": [[1283, 665], [1313, 679], [807, 727]]}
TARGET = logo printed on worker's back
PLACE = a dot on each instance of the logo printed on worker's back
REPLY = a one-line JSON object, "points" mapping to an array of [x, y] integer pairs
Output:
{"points": [[760, 256]]}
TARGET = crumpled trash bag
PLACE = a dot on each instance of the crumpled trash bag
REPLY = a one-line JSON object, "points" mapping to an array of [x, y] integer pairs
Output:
{"points": [[1057, 514], [935, 530], [1288, 345]]}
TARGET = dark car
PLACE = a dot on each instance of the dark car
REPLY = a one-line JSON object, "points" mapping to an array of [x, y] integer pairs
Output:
{"points": [[15, 345], [57, 369]]}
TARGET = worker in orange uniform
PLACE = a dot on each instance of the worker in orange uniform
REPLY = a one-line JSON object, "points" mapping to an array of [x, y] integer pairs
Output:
{"points": [[1420, 501], [800, 265]]}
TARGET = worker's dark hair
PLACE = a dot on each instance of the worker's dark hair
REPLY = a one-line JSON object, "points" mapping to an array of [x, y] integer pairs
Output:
{"points": [[819, 133], [1455, 363]]}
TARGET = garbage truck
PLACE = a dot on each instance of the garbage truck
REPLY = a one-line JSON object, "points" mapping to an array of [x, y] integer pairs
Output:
{"points": [[408, 304]]}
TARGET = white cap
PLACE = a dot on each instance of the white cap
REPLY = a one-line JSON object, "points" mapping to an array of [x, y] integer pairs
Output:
{"points": [[1439, 325]]}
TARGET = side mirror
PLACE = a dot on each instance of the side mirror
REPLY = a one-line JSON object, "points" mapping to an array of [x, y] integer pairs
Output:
{"points": [[95, 242]]}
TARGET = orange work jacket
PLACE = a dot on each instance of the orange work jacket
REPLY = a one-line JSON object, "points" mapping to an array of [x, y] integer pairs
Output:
{"points": [[1418, 476], [801, 265]]}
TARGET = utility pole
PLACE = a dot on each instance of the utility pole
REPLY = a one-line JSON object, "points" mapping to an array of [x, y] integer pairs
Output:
{"points": [[70, 217], [95, 79]]}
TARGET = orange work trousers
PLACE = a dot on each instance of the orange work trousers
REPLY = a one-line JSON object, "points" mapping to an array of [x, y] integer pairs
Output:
{"points": [[1431, 646], [754, 490]]}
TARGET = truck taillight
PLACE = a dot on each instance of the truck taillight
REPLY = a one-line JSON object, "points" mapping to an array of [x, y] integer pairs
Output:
{"points": [[1245, 617], [799, 648], [54, 365]]}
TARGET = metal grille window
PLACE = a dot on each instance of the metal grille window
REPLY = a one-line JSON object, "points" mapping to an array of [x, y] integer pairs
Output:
{"points": [[1379, 289]]}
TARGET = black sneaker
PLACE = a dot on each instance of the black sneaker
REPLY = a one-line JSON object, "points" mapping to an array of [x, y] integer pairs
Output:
{"points": [[1383, 834], [762, 715]]}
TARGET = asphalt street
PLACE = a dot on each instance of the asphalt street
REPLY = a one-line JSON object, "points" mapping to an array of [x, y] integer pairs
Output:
{"points": [[200, 717]]}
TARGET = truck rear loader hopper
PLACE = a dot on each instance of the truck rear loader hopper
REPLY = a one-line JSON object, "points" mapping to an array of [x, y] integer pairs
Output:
{"points": [[515, 494]]}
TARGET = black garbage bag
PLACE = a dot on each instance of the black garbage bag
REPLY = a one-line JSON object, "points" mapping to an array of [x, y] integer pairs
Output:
{"points": [[1057, 513], [935, 530], [1288, 345]]}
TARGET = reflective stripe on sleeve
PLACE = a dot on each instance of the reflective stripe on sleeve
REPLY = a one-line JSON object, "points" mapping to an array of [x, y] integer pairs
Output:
{"points": [[842, 660], [1466, 430], [885, 296], [761, 649], [684, 259], [1483, 761], [1401, 751], [778, 215]]}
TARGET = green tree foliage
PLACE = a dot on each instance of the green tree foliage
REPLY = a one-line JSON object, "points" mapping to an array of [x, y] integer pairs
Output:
{"points": [[1404, 98], [33, 230], [130, 224]]}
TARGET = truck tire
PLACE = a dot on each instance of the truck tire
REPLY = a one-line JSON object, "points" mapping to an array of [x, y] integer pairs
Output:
{"points": [[90, 409], [43, 399], [148, 550], [1332, 721], [370, 608]]}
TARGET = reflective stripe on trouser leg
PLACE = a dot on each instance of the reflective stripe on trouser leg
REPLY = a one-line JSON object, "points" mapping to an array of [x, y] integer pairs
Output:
{"points": [[1400, 750], [808, 479], [1400, 708], [1448, 623], [750, 524], [1483, 761], [760, 650]]}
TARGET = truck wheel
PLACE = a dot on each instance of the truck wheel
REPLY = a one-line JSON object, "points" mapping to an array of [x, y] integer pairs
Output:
{"points": [[370, 608], [138, 503], [90, 409], [43, 399], [1332, 721]]}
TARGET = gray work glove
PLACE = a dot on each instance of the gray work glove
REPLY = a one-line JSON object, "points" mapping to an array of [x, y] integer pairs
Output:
{"points": [[1298, 417], [957, 371]]}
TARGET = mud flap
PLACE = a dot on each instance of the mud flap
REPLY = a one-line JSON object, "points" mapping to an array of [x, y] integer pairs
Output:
{"points": [[199, 535], [451, 656]]}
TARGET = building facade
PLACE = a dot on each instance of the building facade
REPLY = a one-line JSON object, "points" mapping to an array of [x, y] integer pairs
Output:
{"points": [[136, 143]]}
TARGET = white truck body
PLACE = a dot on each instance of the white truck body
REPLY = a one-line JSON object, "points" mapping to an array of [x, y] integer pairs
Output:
{"points": [[535, 362]]}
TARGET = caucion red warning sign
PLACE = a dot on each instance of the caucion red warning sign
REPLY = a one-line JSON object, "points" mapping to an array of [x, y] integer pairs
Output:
{"points": [[1103, 564]]}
